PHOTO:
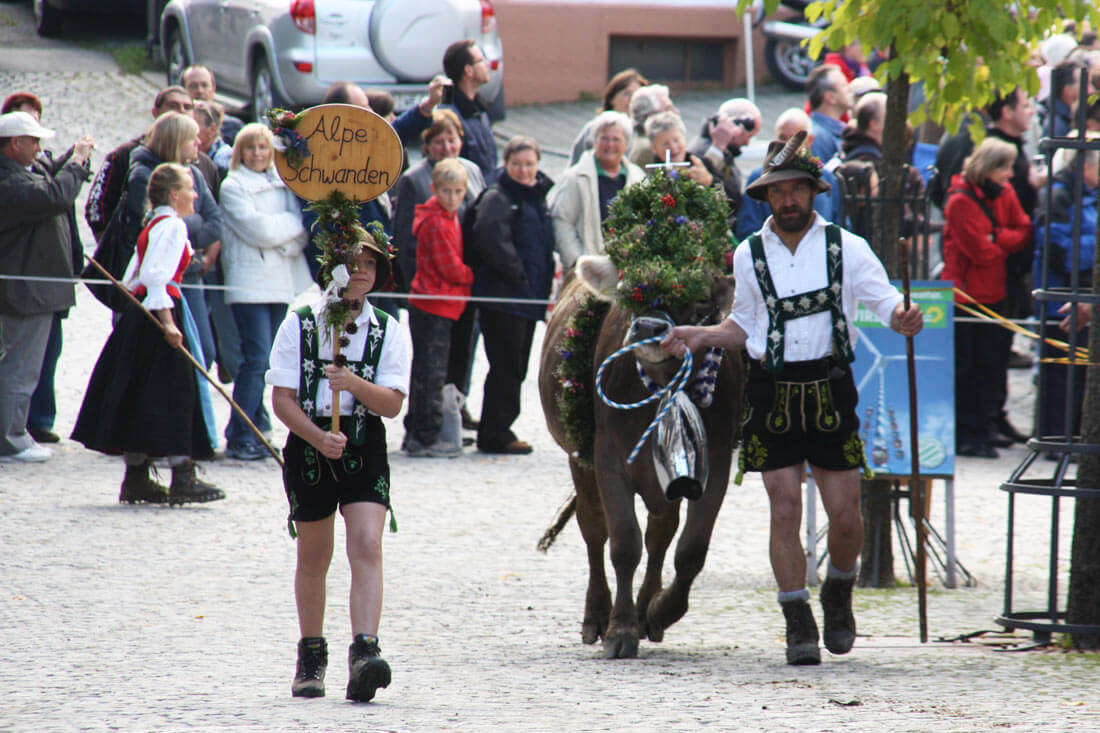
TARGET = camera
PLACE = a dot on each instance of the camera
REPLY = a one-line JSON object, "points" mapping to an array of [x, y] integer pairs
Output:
{"points": [[746, 122], [449, 94]]}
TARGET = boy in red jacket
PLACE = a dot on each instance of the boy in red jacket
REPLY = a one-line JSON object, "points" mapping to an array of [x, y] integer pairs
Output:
{"points": [[439, 271]]}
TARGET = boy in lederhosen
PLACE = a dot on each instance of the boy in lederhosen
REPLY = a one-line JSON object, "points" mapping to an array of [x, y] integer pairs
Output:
{"points": [[799, 280], [349, 469]]}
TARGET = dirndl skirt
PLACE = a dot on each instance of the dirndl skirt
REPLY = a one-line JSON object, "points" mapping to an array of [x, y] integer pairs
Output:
{"points": [[142, 396]]}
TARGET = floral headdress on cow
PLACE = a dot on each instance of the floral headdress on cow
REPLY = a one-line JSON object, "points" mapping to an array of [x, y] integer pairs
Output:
{"points": [[667, 236], [341, 239]]}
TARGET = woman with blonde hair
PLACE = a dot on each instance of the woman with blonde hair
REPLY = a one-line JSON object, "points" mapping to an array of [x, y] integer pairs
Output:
{"points": [[265, 270], [143, 398], [174, 138], [983, 224]]}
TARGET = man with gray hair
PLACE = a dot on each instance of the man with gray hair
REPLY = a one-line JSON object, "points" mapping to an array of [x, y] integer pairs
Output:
{"points": [[34, 243], [720, 141], [646, 102], [754, 211], [578, 203]]}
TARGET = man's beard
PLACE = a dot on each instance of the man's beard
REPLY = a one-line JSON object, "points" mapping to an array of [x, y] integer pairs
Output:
{"points": [[793, 221]]}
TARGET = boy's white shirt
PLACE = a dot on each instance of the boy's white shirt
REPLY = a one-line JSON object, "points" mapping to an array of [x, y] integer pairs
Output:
{"points": [[393, 363]]}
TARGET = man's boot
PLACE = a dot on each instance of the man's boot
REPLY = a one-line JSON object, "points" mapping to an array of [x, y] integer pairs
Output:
{"points": [[138, 486], [188, 488], [840, 624], [309, 679], [802, 636], [367, 670]]}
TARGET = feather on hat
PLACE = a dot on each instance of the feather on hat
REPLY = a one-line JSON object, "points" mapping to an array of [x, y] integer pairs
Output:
{"points": [[787, 161]]}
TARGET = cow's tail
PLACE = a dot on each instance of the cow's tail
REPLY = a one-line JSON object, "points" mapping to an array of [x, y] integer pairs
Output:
{"points": [[564, 513]]}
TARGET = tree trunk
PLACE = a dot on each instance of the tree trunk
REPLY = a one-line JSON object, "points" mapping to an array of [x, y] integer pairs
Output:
{"points": [[1083, 602], [888, 212]]}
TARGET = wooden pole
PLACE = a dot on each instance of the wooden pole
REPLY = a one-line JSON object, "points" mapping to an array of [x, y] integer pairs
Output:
{"points": [[916, 486], [183, 350], [335, 392]]}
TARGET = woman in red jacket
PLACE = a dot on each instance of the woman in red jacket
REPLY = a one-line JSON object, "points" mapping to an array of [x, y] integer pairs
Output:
{"points": [[983, 225]]}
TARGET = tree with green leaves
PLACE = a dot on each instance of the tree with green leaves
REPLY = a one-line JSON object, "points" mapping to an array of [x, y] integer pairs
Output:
{"points": [[964, 53]]}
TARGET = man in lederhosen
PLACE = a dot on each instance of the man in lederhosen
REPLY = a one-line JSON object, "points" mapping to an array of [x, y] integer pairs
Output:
{"points": [[799, 280]]}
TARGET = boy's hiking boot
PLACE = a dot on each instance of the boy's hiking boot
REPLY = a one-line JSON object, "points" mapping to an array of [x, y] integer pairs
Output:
{"points": [[367, 670], [802, 634], [138, 486], [309, 680], [840, 624]]}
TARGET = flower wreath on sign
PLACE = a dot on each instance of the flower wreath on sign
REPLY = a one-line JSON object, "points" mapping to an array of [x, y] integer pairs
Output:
{"points": [[283, 124], [339, 235], [667, 236]]}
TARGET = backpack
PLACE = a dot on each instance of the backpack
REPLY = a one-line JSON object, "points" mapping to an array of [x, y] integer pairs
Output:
{"points": [[113, 251], [469, 218]]}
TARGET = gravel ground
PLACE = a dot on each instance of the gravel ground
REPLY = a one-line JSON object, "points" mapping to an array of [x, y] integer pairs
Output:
{"points": [[139, 618]]}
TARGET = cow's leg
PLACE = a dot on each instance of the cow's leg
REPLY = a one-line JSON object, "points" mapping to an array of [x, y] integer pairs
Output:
{"points": [[668, 606], [593, 526], [621, 639], [659, 531]]}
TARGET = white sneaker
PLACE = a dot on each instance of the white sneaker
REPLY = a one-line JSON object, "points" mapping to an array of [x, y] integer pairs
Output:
{"points": [[35, 454]]}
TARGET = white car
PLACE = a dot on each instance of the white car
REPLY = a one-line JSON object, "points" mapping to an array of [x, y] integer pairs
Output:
{"points": [[286, 53]]}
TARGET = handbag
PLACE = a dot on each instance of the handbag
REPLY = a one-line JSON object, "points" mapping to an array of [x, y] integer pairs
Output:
{"points": [[113, 251]]}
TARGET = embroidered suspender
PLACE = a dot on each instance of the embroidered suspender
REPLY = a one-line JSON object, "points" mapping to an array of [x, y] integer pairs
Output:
{"points": [[313, 368], [824, 300]]}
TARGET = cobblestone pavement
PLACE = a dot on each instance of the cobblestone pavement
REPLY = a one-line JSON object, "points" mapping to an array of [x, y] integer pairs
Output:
{"points": [[139, 618]]}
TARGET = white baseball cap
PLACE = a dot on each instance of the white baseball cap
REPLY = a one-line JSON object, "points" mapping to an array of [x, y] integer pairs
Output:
{"points": [[14, 124]]}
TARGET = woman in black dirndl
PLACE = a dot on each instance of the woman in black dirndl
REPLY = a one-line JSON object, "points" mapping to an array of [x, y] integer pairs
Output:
{"points": [[143, 397]]}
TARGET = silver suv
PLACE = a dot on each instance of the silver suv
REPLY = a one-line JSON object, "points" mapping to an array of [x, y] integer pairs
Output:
{"points": [[286, 53]]}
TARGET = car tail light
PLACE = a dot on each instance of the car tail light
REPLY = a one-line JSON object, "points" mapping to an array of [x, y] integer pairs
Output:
{"points": [[488, 16], [304, 67], [302, 13]]}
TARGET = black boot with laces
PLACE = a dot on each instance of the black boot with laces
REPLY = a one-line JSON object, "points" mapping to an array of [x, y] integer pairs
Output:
{"points": [[138, 486], [188, 488], [367, 670], [840, 623], [802, 636], [309, 680]]}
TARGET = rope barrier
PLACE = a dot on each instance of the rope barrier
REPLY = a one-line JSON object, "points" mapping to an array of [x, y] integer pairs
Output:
{"points": [[985, 313], [677, 384], [207, 286]]}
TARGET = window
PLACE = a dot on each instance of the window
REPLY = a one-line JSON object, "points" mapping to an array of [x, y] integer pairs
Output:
{"points": [[675, 60]]}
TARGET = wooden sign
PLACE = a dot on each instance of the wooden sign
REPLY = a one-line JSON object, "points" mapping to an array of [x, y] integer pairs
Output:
{"points": [[351, 150]]}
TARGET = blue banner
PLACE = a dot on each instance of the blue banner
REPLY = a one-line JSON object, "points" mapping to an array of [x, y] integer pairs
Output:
{"points": [[882, 378]]}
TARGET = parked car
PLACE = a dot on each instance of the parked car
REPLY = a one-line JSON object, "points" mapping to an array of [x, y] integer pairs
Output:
{"points": [[48, 14], [286, 53]]}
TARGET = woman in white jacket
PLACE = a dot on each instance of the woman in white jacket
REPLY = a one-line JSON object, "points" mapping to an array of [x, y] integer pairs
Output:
{"points": [[265, 270]]}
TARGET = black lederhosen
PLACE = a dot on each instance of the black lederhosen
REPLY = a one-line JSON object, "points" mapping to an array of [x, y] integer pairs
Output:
{"points": [[316, 486], [807, 412]]}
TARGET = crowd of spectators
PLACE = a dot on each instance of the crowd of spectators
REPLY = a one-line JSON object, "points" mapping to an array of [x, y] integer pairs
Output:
{"points": [[502, 235]]}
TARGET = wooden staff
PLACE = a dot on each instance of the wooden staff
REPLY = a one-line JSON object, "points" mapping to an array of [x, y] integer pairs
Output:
{"points": [[916, 486], [183, 350], [335, 392]]}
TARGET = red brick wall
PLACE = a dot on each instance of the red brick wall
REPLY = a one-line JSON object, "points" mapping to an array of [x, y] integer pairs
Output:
{"points": [[554, 51]]}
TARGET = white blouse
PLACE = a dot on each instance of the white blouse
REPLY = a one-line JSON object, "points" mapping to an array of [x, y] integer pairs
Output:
{"points": [[167, 243], [803, 270], [393, 363]]}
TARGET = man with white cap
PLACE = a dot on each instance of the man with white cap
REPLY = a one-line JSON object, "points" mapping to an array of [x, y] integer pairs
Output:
{"points": [[34, 243]]}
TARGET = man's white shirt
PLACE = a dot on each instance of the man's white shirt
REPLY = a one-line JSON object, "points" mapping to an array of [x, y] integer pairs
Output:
{"points": [[804, 270]]}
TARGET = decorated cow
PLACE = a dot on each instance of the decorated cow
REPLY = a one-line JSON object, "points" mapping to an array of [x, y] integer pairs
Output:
{"points": [[666, 244]]}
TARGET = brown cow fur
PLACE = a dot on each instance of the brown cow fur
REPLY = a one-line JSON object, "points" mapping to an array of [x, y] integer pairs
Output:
{"points": [[605, 495]]}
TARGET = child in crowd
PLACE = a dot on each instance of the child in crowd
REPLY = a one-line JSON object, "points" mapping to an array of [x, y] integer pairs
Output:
{"points": [[349, 470], [439, 271], [143, 396]]}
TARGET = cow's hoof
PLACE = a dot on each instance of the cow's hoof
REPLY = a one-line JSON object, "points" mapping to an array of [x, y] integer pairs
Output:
{"points": [[591, 632], [620, 645], [663, 611]]}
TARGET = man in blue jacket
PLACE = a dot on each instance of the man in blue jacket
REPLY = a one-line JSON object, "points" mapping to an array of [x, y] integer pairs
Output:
{"points": [[468, 69]]}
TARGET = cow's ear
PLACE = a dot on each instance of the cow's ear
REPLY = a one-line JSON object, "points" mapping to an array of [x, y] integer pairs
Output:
{"points": [[599, 275]]}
